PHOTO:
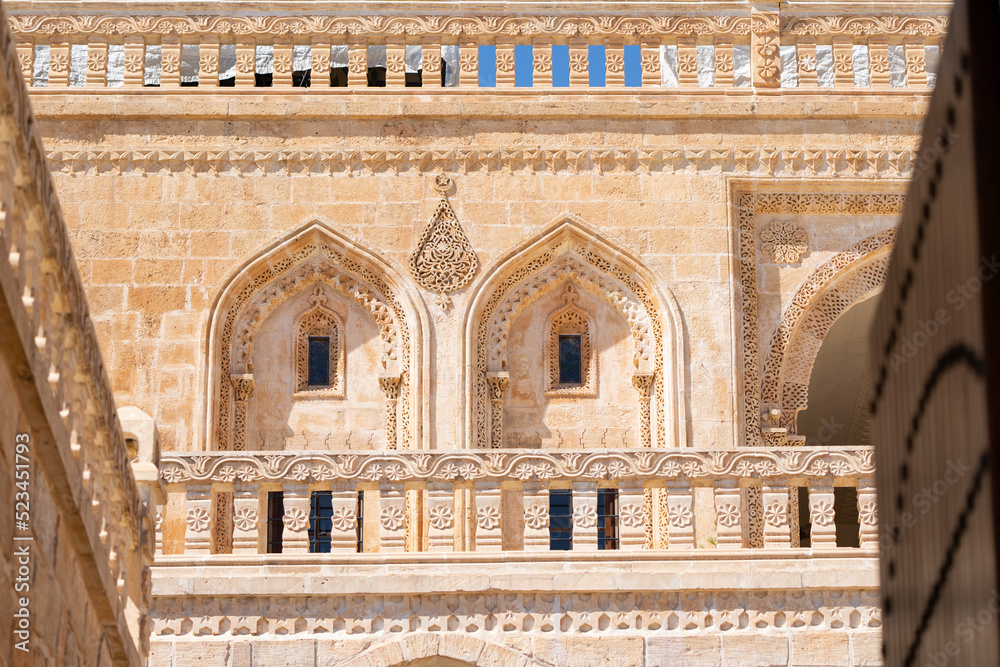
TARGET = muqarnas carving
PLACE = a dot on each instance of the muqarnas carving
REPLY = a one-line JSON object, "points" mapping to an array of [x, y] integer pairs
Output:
{"points": [[444, 260], [319, 322]]}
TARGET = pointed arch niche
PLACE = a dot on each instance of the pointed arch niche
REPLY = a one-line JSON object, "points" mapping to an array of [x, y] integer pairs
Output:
{"points": [[571, 258], [329, 282], [849, 278]]}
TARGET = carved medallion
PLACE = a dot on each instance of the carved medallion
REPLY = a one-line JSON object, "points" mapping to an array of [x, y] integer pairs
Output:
{"points": [[444, 260], [784, 242]]}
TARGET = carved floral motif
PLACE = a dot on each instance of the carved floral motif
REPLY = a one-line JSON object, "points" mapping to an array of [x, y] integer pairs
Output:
{"points": [[784, 242], [296, 519]]}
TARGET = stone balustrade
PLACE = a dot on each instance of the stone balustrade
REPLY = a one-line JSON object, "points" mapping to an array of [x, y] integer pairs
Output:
{"points": [[470, 500], [671, 47]]}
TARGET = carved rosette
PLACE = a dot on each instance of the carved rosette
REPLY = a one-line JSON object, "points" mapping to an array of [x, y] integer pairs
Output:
{"points": [[765, 49], [444, 260], [784, 242]]}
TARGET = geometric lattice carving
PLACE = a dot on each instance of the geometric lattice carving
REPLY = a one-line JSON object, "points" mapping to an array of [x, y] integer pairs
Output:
{"points": [[444, 260], [784, 242], [570, 320], [318, 321]]}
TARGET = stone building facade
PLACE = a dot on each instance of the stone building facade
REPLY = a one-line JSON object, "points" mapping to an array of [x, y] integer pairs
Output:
{"points": [[494, 334]]}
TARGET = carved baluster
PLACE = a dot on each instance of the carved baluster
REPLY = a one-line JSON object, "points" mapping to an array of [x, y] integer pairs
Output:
{"points": [[643, 383], [823, 534], [650, 59], [843, 61], [542, 67], [247, 522], [632, 517], [579, 62], [344, 520], [390, 385], [867, 513], [295, 535], [97, 62], [283, 60], [680, 514], [392, 518], [724, 64], [319, 65], [468, 63], [26, 58], [878, 56], [728, 514], [58, 62], [764, 49], [584, 516], [536, 516], [441, 512], [170, 61], [916, 61], [197, 535], [805, 51], [614, 62], [357, 61], [208, 61], [430, 59], [243, 386], [498, 383], [135, 61], [395, 62], [246, 61], [687, 62], [505, 61], [775, 502], [488, 518]]}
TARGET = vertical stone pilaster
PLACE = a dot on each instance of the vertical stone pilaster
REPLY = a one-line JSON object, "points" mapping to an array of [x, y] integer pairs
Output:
{"points": [[170, 61], [579, 63], [765, 49], [632, 518], [392, 518], [650, 59], [395, 62], [805, 52], [680, 514], [542, 66], [26, 58], [246, 521], [584, 516], [295, 535], [724, 63], [246, 61], [536, 516], [916, 61], [283, 54], [58, 62], [208, 61], [775, 506], [390, 385], [197, 535], [357, 62], [441, 508], [843, 61], [823, 534], [867, 513], [243, 386], [430, 62], [488, 517], [728, 514], [343, 532], [468, 63], [505, 61], [614, 62], [97, 62], [319, 56], [878, 56], [687, 62]]}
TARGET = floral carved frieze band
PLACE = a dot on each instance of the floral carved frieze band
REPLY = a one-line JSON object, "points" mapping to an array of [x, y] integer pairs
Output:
{"points": [[227, 467], [347, 161]]}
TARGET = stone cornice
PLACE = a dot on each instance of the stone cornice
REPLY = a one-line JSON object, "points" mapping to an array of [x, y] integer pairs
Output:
{"points": [[470, 465], [890, 163]]}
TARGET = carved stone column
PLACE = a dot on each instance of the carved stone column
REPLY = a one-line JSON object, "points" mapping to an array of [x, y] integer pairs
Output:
{"points": [[488, 517], [441, 508], [392, 518], [823, 534], [632, 517], [319, 56], [97, 61], [430, 63], [764, 49], [344, 520], [246, 61], [867, 513], [775, 501], [357, 62], [728, 514], [26, 58], [468, 63], [170, 62], [197, 536], [58, 62], [542, 66], [579, 63], [680, 514], [614, 62], [687, 62], [390, 385], [505, 61], [283, 62], [805, 48], [295, 536], [135, 61], [584, 516], [208, 61], [724, 64], [498, 383], [651, 75], [643, 383], [395, 62], [243, 386], [536, 516], [843, 61], [246, 521], [878, 54]]}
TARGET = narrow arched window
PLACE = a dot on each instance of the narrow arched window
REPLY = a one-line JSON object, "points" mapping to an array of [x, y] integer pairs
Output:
{"points": [[319, 353], [570, 355]]}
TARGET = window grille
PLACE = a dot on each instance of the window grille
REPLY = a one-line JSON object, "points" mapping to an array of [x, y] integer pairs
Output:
{"points": [[560, 520]]}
